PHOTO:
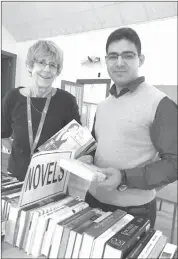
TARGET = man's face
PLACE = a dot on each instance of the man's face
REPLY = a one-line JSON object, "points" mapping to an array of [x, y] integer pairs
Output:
{"points": [[123, 69]]}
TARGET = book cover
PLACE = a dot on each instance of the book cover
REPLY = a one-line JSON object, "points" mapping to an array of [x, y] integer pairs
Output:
{"points": [[168, 251], [141, 244], [71, 137], [122, 242], [96, 230], [99, 243], [149, 246]]}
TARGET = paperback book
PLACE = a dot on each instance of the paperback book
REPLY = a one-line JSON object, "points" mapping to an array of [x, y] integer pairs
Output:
{"points": [[71, 137]]}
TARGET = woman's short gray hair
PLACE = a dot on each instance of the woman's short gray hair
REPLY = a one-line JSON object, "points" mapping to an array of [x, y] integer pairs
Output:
{"points": [[43, 47]]}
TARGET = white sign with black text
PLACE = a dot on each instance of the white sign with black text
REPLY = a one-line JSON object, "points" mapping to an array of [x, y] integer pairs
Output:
{"points": [[44, 177]]}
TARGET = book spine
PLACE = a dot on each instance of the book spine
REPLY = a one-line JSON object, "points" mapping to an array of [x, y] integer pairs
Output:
{"points": [[99, 243], [73, 233], [122, 243], [81, 230], [97, 229], [149, 246], [11, 224], [158, 247], [142, 243], [80, 220], [63, 232], [72, 210]]}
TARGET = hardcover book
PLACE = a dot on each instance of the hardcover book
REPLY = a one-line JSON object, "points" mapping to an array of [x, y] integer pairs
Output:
{"points": [[78, 229], [141, 244], [157, 249], [151, 243], [122, 242], [96, 230], [61, 233], [99, 243], [81, 231]]}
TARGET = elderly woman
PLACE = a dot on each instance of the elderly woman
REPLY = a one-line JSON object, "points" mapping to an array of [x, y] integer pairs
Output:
{"points": [[33, 114]]}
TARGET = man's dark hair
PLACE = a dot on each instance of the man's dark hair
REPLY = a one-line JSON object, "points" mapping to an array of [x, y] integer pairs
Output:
{"points": [[124, 33]]}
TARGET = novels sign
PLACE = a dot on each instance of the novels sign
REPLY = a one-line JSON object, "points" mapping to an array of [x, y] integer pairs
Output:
{"points": [[44, 177]]}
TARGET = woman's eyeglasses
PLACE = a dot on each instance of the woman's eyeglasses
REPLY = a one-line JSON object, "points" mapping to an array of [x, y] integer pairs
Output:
{"points": [[42, 64]]}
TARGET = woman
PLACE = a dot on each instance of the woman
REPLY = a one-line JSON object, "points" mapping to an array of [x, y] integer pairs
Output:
{"points": [[34, 114]]}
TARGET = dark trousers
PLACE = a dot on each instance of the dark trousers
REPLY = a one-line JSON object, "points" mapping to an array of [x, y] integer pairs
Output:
{"points": [[147, 210]]}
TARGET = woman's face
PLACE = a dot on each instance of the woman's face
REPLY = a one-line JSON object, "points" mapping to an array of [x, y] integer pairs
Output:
{"points": [[44, 71]]}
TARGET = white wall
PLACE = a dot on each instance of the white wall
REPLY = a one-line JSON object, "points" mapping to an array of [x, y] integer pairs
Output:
{"points": [[159, 44], [9, 44]]}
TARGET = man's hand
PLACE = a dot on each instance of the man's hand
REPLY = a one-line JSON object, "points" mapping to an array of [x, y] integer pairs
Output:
{"points": [[88, 159], [113, 178]]}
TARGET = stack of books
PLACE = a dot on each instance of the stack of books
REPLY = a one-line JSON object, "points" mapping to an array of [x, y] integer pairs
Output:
{"points": [[10, 194], [66, 227]]}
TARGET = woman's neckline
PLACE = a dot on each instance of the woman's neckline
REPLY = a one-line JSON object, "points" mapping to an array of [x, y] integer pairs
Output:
{"points": [[25, 94]]}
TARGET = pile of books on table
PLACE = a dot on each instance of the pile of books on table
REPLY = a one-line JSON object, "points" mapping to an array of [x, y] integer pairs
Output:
{"points": [[66, 227]]}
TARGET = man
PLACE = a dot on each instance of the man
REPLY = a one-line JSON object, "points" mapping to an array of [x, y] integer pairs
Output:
{"points": [[136, 132]]}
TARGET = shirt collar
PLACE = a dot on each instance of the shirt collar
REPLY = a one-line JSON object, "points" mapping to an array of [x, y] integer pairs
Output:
{"points": [[131, 86]]}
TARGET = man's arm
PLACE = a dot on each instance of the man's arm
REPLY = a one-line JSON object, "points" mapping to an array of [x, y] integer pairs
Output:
{"points": [[163, 134]]}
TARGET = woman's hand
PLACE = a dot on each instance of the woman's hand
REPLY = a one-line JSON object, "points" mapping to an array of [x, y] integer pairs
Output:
{"points": [[88, 159]]}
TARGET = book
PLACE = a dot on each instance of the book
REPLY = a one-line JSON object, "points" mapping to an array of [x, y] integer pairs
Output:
{"points": [[81, 169], [157, 249], [55, 220], [3, 227], [141, 244], [11, 186], [63, 213], [96, 230], [71, 137], [81, 230], [119, 245], [149, 246], [39, 224], [28, 213], [13, 213], [99, 243], [61, 234], [75, 230], [168, 251], [90, 216], [43, 206]]}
